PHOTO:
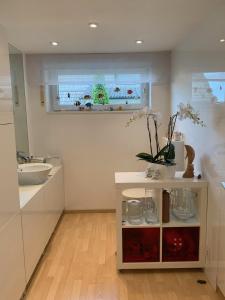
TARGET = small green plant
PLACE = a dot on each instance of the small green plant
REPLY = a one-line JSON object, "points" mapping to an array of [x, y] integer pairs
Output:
{"points": [[99, 94], [166, 155]]}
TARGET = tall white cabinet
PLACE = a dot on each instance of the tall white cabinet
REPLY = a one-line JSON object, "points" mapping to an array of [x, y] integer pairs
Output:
{"points": [[221, 242], [12, 273]]}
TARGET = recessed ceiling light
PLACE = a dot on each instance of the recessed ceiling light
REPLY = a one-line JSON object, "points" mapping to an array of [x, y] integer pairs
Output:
{"points": [[54, 43], [93, 25], [139, 42], [222, 40]]}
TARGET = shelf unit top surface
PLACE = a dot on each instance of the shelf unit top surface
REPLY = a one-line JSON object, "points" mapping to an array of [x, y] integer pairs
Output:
{"points": [[128, 178]]}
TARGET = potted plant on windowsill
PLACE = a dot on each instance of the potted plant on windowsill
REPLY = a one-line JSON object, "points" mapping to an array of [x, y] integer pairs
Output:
{"points": [[162, 160]]}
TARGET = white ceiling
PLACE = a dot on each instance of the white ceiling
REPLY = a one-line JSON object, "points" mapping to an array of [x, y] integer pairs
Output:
{"points": [[32, 24]]}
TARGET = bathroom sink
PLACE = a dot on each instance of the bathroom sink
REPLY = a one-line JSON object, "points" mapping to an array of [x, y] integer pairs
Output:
{"points": [[33, 173]]}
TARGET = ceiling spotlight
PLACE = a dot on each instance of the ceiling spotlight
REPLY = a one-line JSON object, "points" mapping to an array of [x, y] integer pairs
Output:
{"points": [[139, 42], [54, 43], [222, 40], [93, 25]]}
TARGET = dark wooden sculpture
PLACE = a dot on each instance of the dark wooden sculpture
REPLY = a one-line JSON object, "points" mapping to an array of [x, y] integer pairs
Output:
{"points": [[189, 172]]}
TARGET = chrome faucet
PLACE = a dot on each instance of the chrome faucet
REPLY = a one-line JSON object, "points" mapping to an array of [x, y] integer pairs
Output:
{"points": [[23, 157]]}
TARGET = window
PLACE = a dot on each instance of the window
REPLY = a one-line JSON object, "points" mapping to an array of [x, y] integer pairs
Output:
{"points": [[101, 92], [209, 87]]}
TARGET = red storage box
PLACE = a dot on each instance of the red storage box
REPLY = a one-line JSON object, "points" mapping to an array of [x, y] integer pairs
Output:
{"points": [[141, 244], [180, 244]]}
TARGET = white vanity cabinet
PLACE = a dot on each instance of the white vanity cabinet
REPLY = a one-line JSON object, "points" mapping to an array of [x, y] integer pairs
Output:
{"points": [[39, 217], [33, 224], [53, 193]]}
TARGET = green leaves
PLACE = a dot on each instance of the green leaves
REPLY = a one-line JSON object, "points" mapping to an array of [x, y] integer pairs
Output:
{"points": [[169, 153], [165, 156], [145, 156]]}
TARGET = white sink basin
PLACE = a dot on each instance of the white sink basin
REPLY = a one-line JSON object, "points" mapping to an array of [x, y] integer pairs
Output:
{"points": [[33, 173]]}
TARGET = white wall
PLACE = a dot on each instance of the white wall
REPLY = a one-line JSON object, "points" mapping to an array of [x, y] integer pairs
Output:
{"points": [[202, 52], [93, 146]]}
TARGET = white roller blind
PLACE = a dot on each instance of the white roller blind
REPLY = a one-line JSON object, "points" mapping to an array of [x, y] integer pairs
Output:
{"points": [[89, 76], [119, 68]]}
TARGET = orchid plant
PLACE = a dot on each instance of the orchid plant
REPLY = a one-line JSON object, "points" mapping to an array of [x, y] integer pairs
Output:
{"points": [[166, 155]]}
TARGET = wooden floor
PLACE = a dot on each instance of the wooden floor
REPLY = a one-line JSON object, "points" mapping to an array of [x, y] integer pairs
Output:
{"points": [[80, 264]]}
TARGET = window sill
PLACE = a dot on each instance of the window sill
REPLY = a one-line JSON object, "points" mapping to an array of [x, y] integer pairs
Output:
{"points": [[61, 112]]}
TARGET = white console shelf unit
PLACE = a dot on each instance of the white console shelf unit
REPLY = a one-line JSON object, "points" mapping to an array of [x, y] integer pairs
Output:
{"points": [[126, 180]]}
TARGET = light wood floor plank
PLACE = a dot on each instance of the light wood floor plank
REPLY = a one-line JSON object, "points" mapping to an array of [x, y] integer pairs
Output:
{"points": [[80, 264]]}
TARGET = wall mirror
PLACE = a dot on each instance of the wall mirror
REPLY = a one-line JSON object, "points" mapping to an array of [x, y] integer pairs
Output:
{"points": [[19, 99]]}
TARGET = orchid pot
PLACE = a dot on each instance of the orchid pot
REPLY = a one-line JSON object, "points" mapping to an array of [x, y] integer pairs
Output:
{"points": [[156, 171]]}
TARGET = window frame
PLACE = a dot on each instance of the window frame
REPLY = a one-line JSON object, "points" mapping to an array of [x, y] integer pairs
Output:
{"points": [[206, 99], [51, 93]]}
